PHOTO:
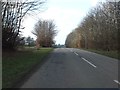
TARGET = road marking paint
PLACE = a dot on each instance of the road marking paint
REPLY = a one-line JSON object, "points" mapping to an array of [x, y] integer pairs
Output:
{"points": [[89, 62], [117, 82], [76, 53]]}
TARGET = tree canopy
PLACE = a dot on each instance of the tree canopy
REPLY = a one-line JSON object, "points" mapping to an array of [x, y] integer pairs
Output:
{"points": [[99, 29], [12, 15], [45, 32]]}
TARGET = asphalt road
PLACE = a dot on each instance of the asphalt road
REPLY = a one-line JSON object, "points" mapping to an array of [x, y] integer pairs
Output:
{"points": [[74, 68]]}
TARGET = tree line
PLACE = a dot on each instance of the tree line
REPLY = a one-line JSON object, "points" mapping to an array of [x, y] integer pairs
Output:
{"points": [[13, 13], [99, 28]]}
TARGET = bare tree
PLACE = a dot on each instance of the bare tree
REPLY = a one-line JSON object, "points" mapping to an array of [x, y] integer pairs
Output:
{"points": [[99, 29], [12, 15], [45, 32]]}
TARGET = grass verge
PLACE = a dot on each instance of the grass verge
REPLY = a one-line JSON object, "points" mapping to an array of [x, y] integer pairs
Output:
{"points": [[113, 54], [17, 64]]}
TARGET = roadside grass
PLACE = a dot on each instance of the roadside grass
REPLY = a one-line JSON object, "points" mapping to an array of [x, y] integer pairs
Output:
{"points": [[17, 64], [113, 54]]}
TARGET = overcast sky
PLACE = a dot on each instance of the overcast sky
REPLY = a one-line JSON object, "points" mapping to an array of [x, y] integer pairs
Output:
{"points": [[67, 15]]}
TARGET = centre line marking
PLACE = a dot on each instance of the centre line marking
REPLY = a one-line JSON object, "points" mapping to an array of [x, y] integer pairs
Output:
{"points": [[117, 82], [76, 53], [89, 62]]}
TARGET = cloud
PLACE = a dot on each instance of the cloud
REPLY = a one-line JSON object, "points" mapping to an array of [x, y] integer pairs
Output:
{"points": [[28, 23], [94, 2], [67, 14], [66, 20]]}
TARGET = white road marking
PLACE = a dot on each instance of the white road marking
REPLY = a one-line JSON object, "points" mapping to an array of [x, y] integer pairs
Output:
{"points": [[76, 53], [117, 82], [89, 62]]}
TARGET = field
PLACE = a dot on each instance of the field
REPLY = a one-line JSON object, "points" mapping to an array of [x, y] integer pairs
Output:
{"points": [[17, 64], [113, 54]]}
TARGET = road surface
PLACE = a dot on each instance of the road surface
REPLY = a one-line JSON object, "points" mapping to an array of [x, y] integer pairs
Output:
{"points": [[75, 68]]}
